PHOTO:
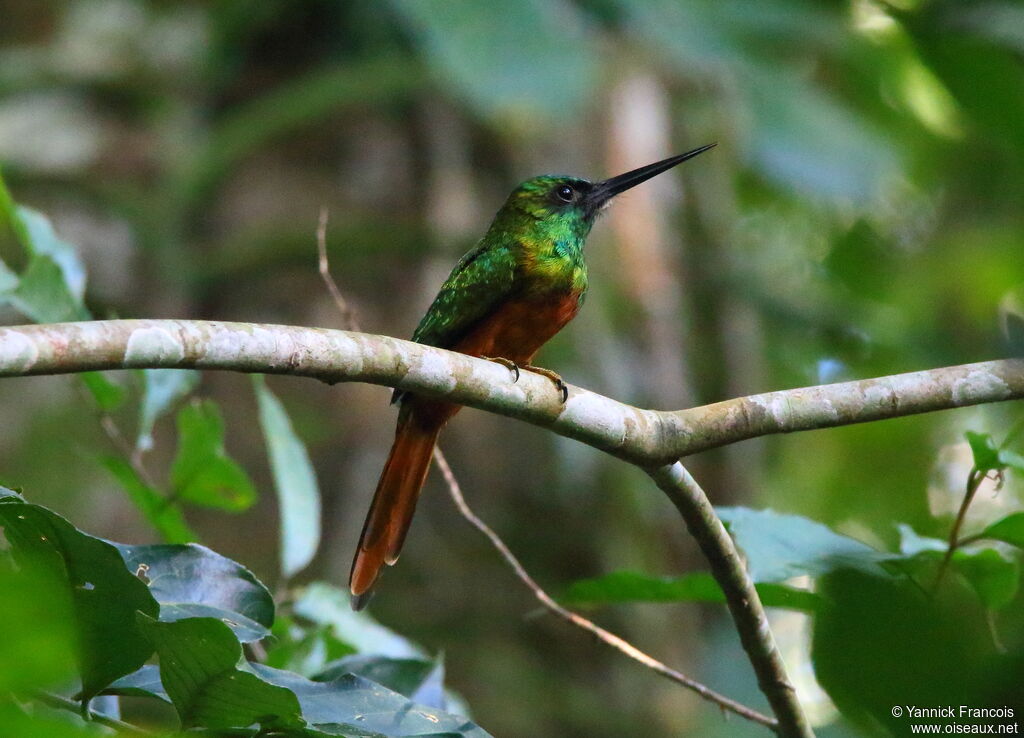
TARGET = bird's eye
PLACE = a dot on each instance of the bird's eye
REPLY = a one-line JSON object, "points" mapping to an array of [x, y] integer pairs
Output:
{"points": [[565, 193]]}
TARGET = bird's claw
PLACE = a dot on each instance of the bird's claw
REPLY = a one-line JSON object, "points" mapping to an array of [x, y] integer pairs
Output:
{"points": [[560, 385], [507, 363]]}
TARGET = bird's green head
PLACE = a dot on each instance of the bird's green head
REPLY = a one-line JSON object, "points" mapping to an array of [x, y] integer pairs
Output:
{"points": [[572, 203]]}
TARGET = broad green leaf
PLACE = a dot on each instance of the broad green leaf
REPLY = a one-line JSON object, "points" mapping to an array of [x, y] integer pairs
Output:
{"points": [[420, 680], [202, 472], [163, 514], [326, 605], [509, 59], [145, 682], [779, 547], [994, 577], [1009, 530], [192, 581], [36, 623], [108, 395], [627, 586], [161, 389], [304, 650], [199, 660], [875, 636], [983, 447], [297, 493], [94, 583], [352, 702]]}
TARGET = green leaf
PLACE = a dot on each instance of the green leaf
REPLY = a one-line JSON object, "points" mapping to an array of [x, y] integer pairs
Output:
{"points": [[161, 389], [192, 581], [163, 514], [354, 703], [101, 592], [297, 492], [144, 682], [1012, 460], [875, 636], [202, 472], [779, 547], [912, 544], [37, 626], [1008, 530], [303, 650], [326, 605], [8, 280], [42, 295], [627, 586], [420, 680], [108, 395], [42, 239], [36, 235], [983, 447], [198, 668], [508, 60], [993, 576]]}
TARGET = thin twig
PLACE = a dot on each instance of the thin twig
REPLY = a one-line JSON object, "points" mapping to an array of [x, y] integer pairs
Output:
{"points": [[133, 456], [348, 316], [603, 635], [120, 443], [63, 703], [455, 490], [974, 480]]}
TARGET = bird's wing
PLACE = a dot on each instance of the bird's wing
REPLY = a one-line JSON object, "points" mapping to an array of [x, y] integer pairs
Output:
{"points": [[481, 281]]}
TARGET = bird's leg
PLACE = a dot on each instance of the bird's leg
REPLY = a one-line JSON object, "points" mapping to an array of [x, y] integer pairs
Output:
{"points": [[507, 363], [560, 385]]}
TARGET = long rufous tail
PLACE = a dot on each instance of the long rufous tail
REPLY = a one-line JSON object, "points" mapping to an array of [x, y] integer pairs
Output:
{"points": [[394, 503]]}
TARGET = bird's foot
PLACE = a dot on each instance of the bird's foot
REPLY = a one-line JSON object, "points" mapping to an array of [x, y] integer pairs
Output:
{"points": [[507, 363], [556, 378]]}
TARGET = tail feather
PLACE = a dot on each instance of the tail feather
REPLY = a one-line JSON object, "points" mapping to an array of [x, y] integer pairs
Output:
{"points": [[393, 505]]}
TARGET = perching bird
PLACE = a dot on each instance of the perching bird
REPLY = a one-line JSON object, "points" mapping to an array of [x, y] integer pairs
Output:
{"points": [[504, 300]]}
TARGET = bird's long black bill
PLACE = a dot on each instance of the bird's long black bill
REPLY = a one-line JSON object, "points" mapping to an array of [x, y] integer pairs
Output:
{"points": [[609, 188]]}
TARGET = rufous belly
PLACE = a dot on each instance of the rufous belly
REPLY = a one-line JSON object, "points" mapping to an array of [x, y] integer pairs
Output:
{"points": [[515, 331]]}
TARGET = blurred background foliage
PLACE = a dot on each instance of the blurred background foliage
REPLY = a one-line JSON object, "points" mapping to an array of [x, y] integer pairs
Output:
{"points": [[862, 215]]}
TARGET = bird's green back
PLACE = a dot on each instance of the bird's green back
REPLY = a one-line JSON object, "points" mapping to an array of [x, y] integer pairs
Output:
{"points": [[534, 245]]}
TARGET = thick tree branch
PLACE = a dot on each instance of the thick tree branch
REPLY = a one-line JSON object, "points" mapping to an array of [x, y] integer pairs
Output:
{"points": [[648, 438], [651, 439], [740, 595]]}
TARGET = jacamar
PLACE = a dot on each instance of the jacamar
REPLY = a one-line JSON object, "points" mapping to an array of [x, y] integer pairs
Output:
{"points": [[504, 300]]}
